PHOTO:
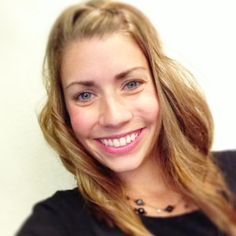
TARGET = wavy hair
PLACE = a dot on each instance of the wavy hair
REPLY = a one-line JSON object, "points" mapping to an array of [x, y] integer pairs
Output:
{"points": [[186, 131]]}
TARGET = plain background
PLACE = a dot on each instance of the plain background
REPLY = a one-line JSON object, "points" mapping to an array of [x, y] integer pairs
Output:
{"points": [[200, 34]]}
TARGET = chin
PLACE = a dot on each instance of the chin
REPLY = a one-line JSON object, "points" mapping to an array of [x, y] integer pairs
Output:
{"points": [[124, 167]]}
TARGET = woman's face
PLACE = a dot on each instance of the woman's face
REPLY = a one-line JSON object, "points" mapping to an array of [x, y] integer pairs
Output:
{"points": [[111, 100]]}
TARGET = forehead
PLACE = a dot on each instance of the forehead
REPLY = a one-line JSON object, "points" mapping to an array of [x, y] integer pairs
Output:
{"points": [[112, 54]]}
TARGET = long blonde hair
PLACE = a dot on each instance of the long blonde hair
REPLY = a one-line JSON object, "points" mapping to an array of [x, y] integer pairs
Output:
{"points": [[186, 133]]}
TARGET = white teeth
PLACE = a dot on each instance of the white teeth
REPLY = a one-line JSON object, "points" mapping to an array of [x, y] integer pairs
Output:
{"points": [[128, 140], [110, 143], [116, 143], [121, 141], [132, 137], [106, 142]]}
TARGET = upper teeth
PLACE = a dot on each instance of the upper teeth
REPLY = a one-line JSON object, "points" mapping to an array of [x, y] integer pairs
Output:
{"points": [[119, 142]]}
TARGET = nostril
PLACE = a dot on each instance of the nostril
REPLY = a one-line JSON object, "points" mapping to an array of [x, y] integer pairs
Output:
{"points": [[113, 119]]}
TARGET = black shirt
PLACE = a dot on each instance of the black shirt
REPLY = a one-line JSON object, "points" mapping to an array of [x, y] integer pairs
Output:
{"points": [[191, 224], [66, 214]]}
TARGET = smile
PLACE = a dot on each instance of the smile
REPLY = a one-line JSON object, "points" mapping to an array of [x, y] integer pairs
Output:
{"points": [[121, 141]]}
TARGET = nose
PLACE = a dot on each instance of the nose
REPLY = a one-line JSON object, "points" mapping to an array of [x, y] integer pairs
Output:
{"points": [[114, 113]]}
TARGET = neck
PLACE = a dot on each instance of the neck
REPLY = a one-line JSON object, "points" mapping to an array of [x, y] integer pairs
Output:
{"points": [[146, 180], [149, 183]]}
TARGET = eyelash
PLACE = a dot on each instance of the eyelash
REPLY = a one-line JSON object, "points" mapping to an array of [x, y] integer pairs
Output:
{"points": [[78, 97], [138, 83]]}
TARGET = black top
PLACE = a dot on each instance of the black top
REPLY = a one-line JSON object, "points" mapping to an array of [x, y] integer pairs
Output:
{"points": [[66, 214]]}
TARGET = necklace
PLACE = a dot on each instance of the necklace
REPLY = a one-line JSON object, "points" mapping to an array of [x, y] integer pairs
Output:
{"points": [[140, 210]]}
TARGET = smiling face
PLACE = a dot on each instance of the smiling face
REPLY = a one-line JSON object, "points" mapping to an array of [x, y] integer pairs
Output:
{"points": [[111, 100]]}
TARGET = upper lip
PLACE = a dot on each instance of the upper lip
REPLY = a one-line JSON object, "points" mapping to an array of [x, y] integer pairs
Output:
{"points": [[120, 135]]}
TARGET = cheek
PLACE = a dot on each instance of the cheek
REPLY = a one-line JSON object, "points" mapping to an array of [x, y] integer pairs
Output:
{"points": [[151, 105], [81, 121], [148, 106]]}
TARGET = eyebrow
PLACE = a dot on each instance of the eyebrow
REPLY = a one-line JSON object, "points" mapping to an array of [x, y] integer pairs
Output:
{"points": [[127, 72], [120, 76]]}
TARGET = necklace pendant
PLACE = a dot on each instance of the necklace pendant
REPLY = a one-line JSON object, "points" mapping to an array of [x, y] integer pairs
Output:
{"points": [[169, 208], [139, 202], [140, 211]]}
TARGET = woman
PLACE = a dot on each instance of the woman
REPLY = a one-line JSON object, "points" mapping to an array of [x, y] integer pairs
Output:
{"points": [[134, 129]]}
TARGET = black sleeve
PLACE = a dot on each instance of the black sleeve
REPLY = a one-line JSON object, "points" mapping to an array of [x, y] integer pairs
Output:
{"points": [[226, 160], [60, 215], [44, 221], [65, 213]]}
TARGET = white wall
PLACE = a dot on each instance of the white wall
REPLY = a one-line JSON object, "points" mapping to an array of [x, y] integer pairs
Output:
{"points": [[201, 34]]}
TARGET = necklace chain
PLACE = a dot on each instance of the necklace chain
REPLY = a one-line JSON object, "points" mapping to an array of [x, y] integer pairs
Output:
{"points": [[140, 204]]}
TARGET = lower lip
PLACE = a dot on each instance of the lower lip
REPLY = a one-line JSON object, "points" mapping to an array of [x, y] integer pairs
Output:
{"points": [[124, 149]]}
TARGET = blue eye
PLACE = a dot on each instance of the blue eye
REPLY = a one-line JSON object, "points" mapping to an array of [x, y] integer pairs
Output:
{"points": [[132, 84], [84, 96]]}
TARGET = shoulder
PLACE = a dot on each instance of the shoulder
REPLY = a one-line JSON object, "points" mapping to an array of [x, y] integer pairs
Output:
{"points": [[64, 199], [226, 161], [61, 214]]}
